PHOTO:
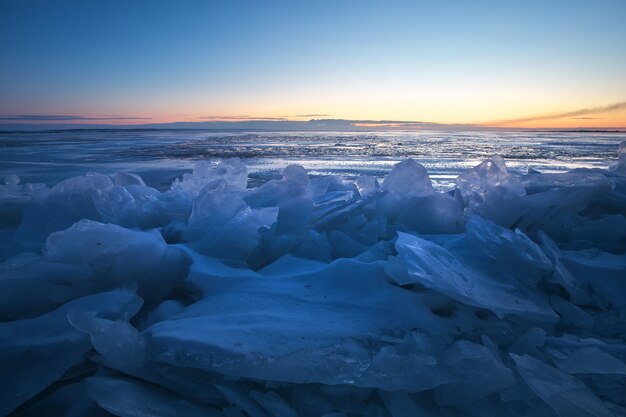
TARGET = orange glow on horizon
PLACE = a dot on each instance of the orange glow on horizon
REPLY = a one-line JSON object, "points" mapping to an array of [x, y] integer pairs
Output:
{"points": [[611, 117], [401, 116]]}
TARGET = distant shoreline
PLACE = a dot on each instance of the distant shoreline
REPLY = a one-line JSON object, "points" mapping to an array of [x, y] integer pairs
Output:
{"points": [[33, 129]]}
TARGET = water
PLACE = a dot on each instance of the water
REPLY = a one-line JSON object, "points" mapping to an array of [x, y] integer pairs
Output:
{"points": [[161, 155]]}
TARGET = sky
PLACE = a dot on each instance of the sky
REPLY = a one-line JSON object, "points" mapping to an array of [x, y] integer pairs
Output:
{"points": [[536, 64]]}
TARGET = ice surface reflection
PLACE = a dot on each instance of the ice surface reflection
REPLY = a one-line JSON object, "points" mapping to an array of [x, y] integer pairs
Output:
{"points": [[161, 155]]}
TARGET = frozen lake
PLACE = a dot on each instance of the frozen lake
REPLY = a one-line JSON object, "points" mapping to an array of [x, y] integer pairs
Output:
{"points": [[227, 294], [160, 155]]}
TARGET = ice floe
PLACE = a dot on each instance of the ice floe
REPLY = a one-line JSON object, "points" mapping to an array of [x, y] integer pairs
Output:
{"points": [[315, 296]]}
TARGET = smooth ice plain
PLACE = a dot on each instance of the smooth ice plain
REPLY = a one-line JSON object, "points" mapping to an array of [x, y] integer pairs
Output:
{"points": [[504, 295]]}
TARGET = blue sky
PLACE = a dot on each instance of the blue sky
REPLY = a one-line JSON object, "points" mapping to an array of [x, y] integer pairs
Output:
{"points": [[444, 61]]}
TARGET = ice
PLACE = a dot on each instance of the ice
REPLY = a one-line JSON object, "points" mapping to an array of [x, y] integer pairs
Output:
{"points": [[315, 295], [36, 352], [512, 251], [560, 274], [406, 180], [164, 311], [59, 207], [491, 191], [116, 340], [400, 404], [222, 224], [127, 398], [12, 180], [294, 201], [126, 178], [118, 256], [131, 205], [242, 400], [478, 373], [602, 271], [231, 171], [127, 202], [54, 284], [13, 200], [571, 314], [433, 214], [621, 163], [367, 185], [86, 258], [433, 266], [591, 360], [273, 404], [67, 400], [308, 317], [565, 394]]}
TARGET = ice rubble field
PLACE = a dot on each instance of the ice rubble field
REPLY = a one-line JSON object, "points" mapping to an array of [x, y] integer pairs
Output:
{"points": [[315, 296]]}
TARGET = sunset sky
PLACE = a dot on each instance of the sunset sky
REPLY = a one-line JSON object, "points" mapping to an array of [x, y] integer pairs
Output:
{"points": [[551, 64]]}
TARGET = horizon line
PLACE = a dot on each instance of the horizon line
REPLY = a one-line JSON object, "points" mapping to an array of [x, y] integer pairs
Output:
{"points": [[292, 125]]}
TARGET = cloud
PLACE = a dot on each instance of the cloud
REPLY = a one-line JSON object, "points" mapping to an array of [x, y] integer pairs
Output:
{"points": [[389, 124], [385, 122], [41, 117], [242, 117], [312, 115], [586, 118], [247, 117], [571, 114]]}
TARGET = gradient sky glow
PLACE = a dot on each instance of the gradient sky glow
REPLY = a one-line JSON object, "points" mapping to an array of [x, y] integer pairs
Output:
{"points": [[498, 63]]}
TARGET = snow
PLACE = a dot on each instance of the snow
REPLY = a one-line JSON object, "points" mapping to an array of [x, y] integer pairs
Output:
{"points": [[315, 296]]}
